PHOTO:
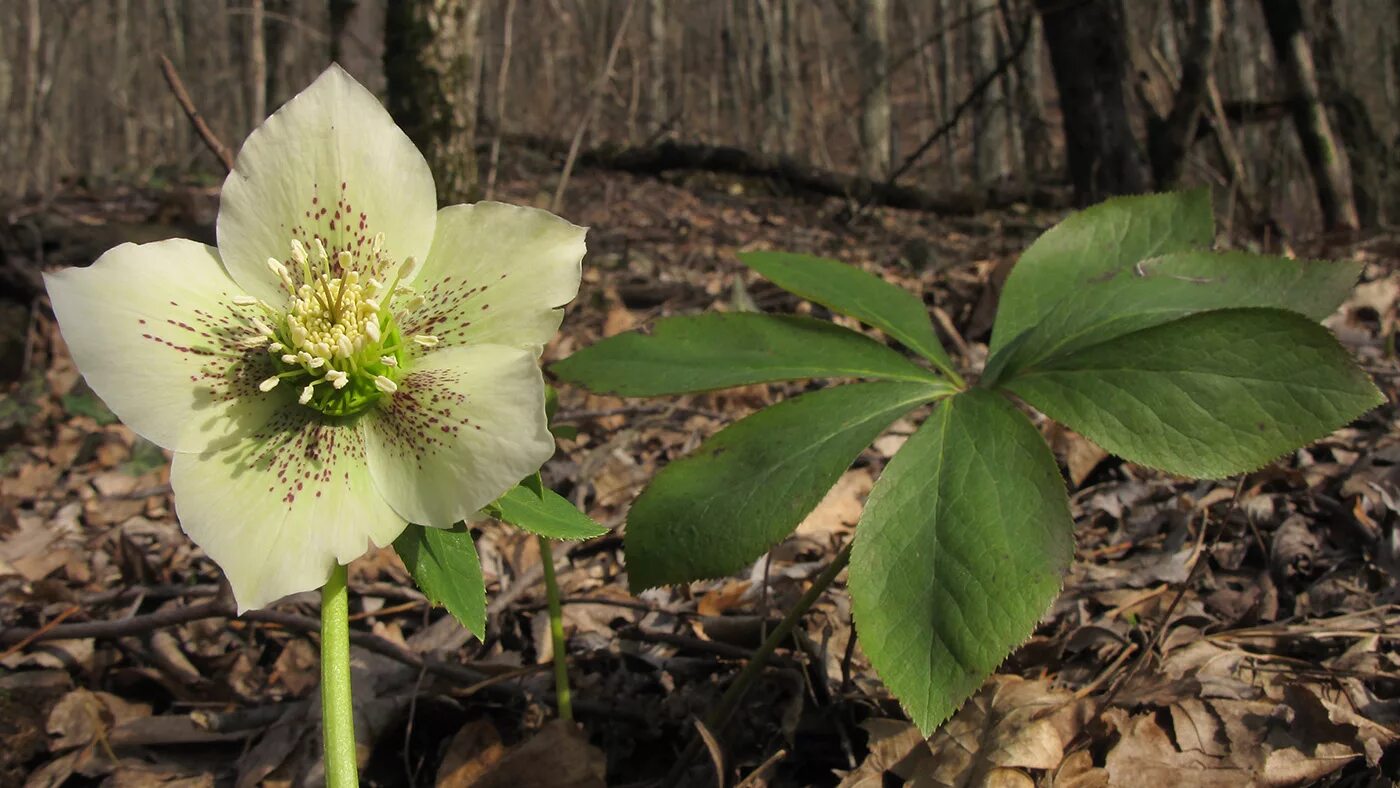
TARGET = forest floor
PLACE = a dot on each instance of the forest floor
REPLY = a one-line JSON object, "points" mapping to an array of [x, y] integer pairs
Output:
{"points": [[1209, 633]]}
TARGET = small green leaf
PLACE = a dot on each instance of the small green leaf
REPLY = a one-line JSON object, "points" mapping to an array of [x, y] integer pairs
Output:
{"points": [[719, 350], [445, 566], [145, 457], [1162, 289], [962, 547], [1103, 239], [544, 512], [81, 401], [852, 292], [1210, 395], [747, 487]]}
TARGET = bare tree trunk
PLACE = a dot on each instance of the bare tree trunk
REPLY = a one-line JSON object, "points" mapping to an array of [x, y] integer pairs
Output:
{"points": [[1036, 147], [1327, 160], [430, 65], [656, 48], [873, 29], [257, 63], [989, 127], [502, 81], [1365, 150], [29, 114], [1169, 138], [357, 38], [946, 82], [121, 88], [777, 126], [1086, 44]]}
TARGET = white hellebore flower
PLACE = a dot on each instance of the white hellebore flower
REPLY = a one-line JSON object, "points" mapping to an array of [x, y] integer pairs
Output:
{"points": [[319, 388]]}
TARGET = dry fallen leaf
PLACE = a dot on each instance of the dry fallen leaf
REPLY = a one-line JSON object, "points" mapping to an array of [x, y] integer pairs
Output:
{"points": [[1009, 724], [890, 741], [559, 755], [841, 506]]}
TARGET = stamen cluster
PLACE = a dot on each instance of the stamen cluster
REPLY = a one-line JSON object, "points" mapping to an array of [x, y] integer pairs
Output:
{"points": [[337, 340]]}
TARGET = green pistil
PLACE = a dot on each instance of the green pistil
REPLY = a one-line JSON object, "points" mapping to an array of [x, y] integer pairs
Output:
{"points": [[360, 392]]}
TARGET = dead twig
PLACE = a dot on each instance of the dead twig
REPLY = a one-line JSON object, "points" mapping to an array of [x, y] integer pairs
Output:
{"points": [[225, 609], [39, 633], [211, 140]]}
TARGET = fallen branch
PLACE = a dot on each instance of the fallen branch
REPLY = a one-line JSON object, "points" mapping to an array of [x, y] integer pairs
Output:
{"points": [[476, 681], [670, 155]]}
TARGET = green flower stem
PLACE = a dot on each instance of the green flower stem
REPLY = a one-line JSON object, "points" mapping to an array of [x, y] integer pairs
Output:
{"points": [[719, 716], [337, 711], [563, 699], [734, 695]]}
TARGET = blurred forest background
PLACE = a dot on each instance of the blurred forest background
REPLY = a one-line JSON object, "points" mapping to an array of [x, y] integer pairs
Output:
{"points": [[1286, 107]]}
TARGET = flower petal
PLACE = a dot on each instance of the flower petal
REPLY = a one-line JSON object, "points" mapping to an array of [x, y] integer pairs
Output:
{"points": [[496, 275], [154, 330], [278, 508], [466, 425], [330, 164]]}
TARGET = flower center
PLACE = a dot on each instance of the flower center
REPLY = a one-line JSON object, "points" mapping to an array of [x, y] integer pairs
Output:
{"points": [[337, 340]]}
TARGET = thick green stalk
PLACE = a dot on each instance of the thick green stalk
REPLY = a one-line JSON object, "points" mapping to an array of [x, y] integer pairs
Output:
{"points": [[734, 695], [337, 710], [563, 700]]}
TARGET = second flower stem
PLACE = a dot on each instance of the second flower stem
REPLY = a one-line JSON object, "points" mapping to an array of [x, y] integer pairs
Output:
{"points": [[734, 695], [562, 697], [337, 709]]}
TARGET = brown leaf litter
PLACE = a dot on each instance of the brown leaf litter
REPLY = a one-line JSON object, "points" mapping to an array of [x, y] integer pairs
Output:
{"points": [[1200, 639]]}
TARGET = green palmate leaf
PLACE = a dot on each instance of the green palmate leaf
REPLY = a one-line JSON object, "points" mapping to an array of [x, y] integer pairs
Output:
{"points": [[745, 489], [543, 512], [445, 566], [1104, 239], [961, 548], [715, 350], [850, 291], [1209, 395], [1162, 289]]}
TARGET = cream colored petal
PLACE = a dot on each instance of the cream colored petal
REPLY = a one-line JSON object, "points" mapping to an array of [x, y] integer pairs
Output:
{"points": [[497, 274], [154, 330], [329, 164], [466, 425], [279, 508]]}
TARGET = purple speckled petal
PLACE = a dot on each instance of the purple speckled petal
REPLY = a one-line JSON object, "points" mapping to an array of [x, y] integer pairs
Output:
{"points": [[278, 507], [466, 425], [154, 330], [330, 164], [497, 274]]}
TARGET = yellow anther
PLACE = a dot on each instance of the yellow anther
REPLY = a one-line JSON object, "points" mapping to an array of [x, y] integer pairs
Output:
{"points": [[269, 384], [426, 340], [385, 385], [306, 393], [389, 361], [244, 300]]}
